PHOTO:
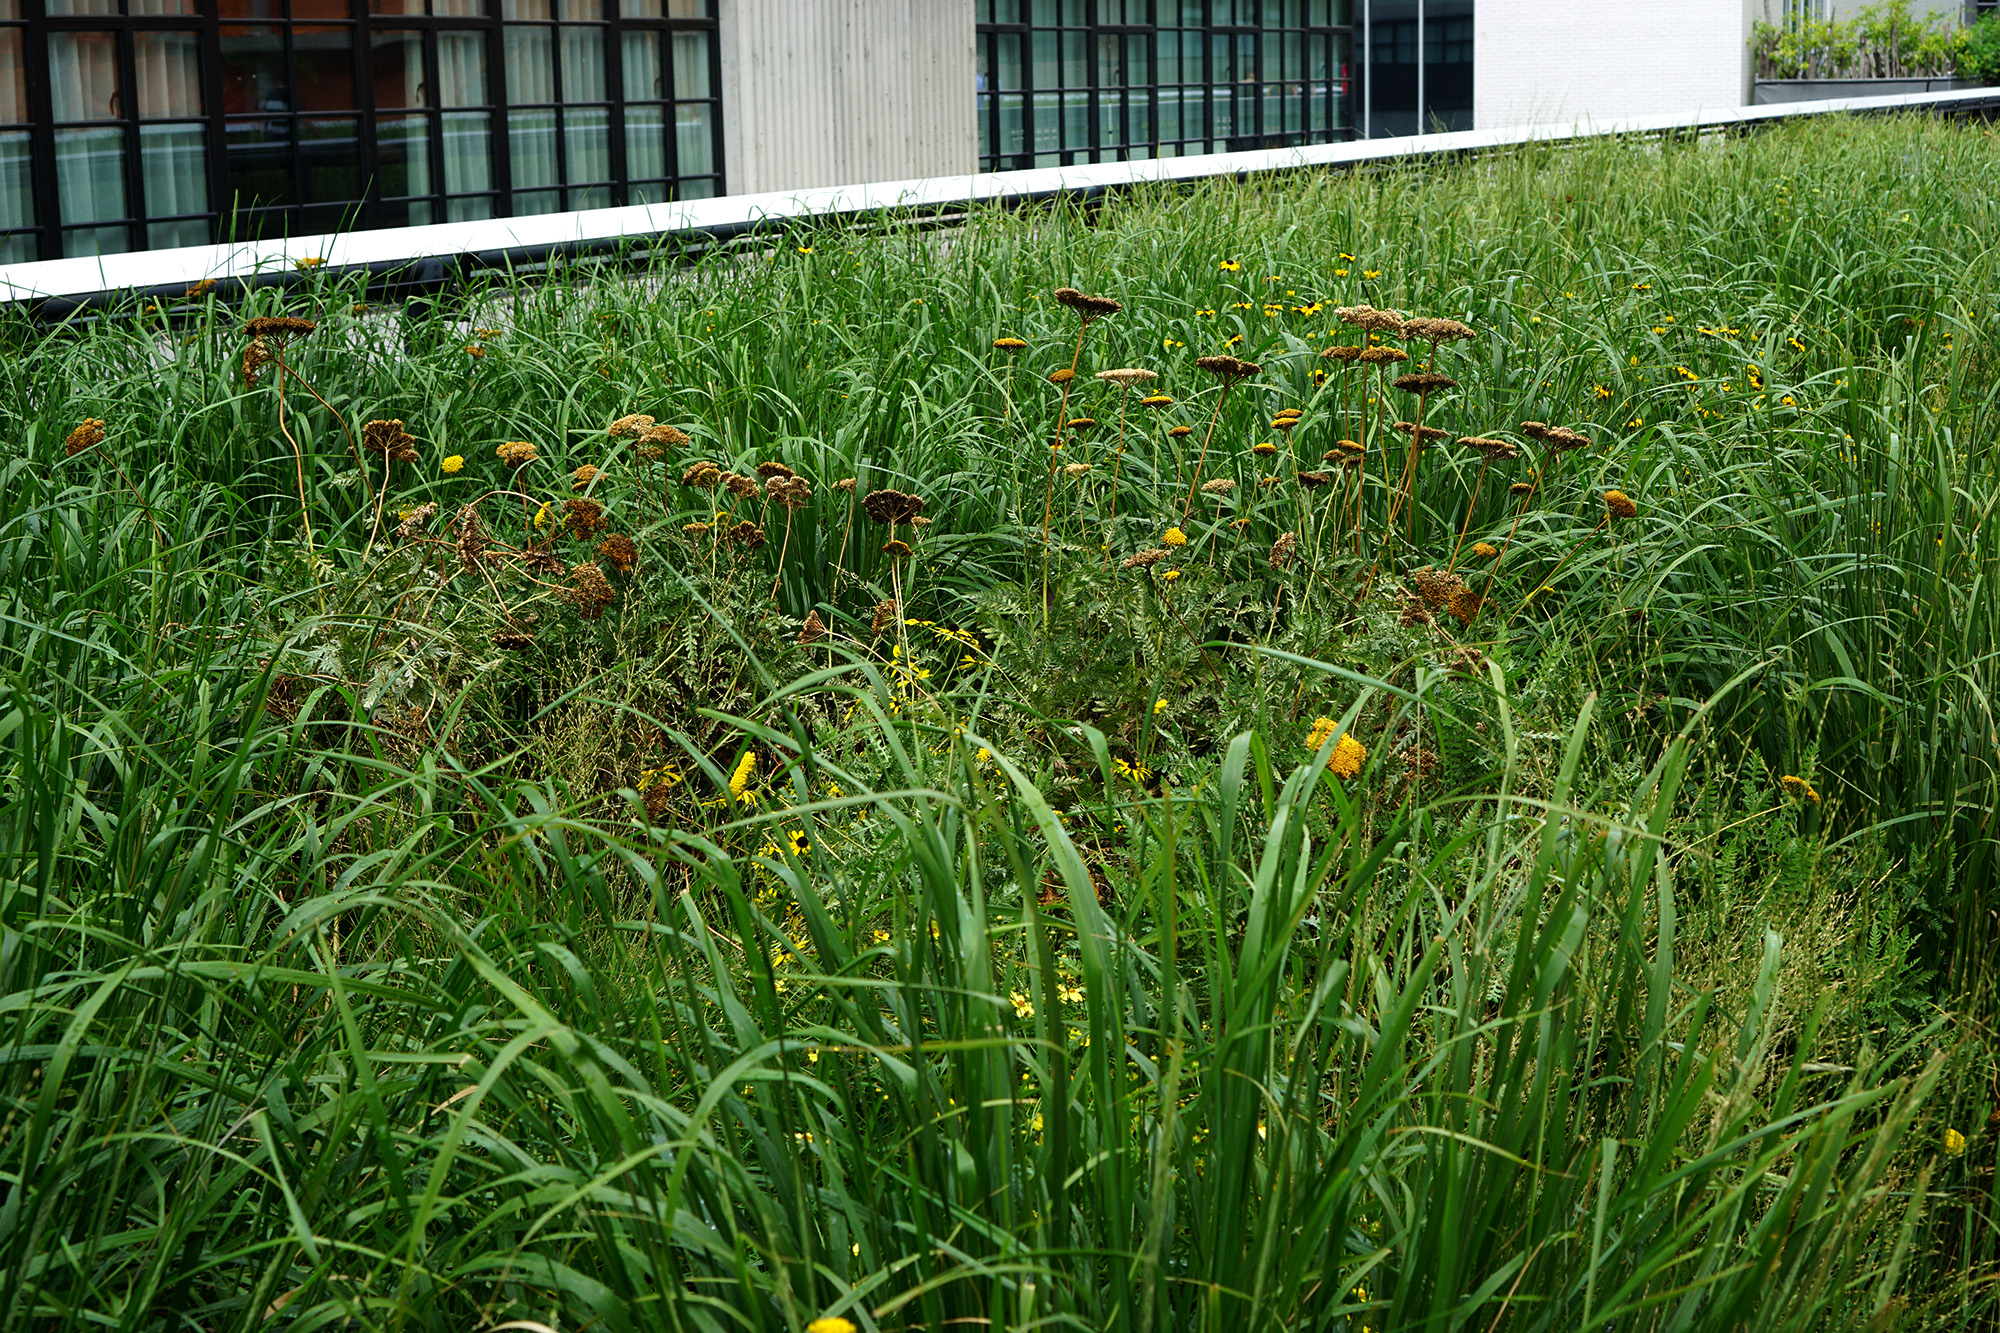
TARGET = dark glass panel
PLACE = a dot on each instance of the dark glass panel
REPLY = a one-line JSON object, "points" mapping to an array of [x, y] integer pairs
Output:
{"points": [[324, 60]]}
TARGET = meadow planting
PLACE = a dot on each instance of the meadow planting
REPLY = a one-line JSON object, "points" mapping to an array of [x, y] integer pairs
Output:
{"points": [[1401, 751]]}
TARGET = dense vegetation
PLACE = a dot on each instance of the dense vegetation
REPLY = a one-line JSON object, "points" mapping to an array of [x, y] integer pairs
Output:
{"points": [[471, 863]]}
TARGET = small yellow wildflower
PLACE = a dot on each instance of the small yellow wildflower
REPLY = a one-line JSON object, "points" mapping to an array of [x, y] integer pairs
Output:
{"points": [[1174, 537], [542, 517], [1954, 1143], [1230, 266], [832, 1323], [1323, 730], [746, 769], [1798, 788], [1170, 575], [1023, 1006], [453, 464], [1348, 757]]}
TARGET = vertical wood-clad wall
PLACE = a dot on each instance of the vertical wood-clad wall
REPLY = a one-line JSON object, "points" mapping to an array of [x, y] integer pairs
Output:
{"points": [[846, 92]]}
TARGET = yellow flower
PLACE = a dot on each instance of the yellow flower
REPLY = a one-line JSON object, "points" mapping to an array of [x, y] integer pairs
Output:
{"points": [[542, 517], [983, 755], [1798, 788], [832, 1323], [1170, 575], [746, 769], [1068, 993], [1348, 757], [453, 464], [1174, 537], [1323, 729], [1023, 1006], [1230, 266], [799, 841], [1371, 273], [1601, 391], [1954, 1143], [1159, 705]]}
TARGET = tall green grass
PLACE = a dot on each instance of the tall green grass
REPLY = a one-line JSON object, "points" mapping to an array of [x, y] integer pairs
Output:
{"points": [[345, 982]]}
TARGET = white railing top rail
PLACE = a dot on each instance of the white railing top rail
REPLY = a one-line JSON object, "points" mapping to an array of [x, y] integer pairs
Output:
{"points": [[532, 239]]}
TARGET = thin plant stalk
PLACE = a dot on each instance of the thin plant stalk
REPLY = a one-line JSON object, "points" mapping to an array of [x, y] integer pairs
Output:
{"points": [[1485, 461], [1202, 457]]}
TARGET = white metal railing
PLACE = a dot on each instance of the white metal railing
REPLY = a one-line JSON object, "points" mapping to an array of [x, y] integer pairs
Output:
{"points": [[166, 273]]}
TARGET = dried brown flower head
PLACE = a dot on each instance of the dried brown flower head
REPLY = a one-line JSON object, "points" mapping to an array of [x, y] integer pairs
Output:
{"points": [[813, 630], [1427, 381], [202, 288], [696, 530], [1310, 480], [702, 474], [1436, 586], [1344, 354], [413, 526], [792, 492], [1075, 469], [513, 640], [887, 612], [887, 506], [1350, 446], [1218, 486], [844, 484], [1089, 307], [1080, 423], [1367, 317], [896, 549], [658, 800], [1522, 488], [278, 329], [742, 487], [621, 551], [582, 477], [1228, 368], [633, 426], [1282, 550], [473, 542], [1381, 356], [389, 439], [1562, 439], [1464, 604], [747, 535], [670, 436], [1180, 432], [649, 453], [1063, 376], [88, 432], [770, 470], [516, 454], [1495, 451], [1436, 330], [1620, 505], [1431, 434], [583, 519], [256, 355], [1145, 559], [541, 559], [920, 522], [589, 591], [1125, 379]]}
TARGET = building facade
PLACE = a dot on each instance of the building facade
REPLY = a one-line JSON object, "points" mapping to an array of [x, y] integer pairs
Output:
{"points": [[141, 124]]}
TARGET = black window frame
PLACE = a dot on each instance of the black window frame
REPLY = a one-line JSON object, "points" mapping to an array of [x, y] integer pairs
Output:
{"points": [[1228, 31], [370, 208]]}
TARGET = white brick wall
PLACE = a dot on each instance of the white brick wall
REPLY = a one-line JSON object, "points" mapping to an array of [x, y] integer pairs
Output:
{"points": [[1569, 61]]}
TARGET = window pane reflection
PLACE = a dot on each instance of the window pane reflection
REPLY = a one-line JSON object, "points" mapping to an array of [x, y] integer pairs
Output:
{"points": [[169, 67]]}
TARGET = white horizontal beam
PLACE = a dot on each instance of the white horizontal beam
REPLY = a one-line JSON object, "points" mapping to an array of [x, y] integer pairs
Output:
{"points": [[165, 272]]}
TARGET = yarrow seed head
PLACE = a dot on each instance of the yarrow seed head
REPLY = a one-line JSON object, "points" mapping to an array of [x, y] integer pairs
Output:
{"points": [[1620, 505]]}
